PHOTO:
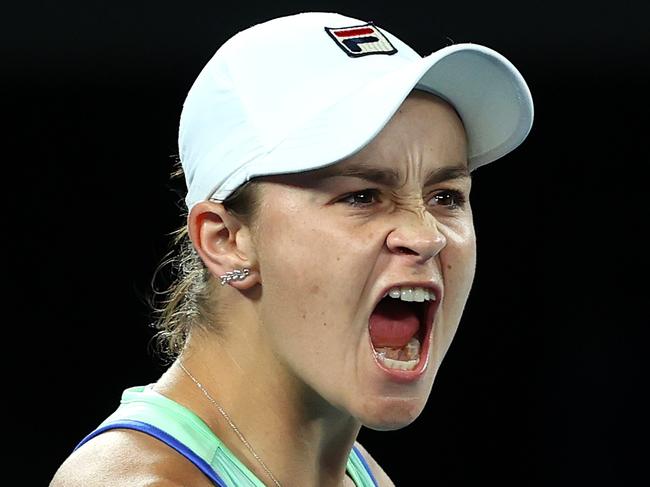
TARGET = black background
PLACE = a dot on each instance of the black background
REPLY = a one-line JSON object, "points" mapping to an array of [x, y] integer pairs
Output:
{"points": [[544, 382]]}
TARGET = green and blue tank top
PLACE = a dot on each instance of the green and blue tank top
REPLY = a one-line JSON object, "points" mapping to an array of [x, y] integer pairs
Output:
{"points": [[143, 409]]}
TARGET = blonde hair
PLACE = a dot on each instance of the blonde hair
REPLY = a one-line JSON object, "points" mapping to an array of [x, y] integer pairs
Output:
{"points": [[189, 303]]}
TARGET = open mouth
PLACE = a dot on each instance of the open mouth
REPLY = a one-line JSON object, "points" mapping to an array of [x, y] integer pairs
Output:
{"points": [[399, 327]]}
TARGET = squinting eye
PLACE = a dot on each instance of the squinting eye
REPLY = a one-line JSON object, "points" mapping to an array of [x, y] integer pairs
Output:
{"points": [[450, 198], [361, 198]]}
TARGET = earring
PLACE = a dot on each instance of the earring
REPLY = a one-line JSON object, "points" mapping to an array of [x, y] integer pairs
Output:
{"points": [[236, 275]]}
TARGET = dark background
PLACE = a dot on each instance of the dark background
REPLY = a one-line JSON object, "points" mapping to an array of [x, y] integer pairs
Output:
{"points": [[544, 382]]}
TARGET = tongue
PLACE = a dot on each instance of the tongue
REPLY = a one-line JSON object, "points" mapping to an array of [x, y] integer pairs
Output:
{"points": [[393, 323]]}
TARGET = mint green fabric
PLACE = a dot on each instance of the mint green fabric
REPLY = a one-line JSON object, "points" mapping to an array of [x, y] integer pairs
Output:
{"points": [[142, 403]]}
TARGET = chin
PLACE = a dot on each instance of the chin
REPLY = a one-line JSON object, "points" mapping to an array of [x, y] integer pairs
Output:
{"points": [[391, 413]]}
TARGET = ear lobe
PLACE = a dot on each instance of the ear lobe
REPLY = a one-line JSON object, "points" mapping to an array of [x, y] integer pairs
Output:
{"points": [[222, 242]]}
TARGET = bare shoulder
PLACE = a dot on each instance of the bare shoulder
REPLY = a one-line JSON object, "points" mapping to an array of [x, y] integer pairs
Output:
{"points": [[382, 478], [127, 458]]}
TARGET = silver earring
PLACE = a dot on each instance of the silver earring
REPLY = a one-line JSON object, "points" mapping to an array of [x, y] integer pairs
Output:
{"points": [[236, 275]]}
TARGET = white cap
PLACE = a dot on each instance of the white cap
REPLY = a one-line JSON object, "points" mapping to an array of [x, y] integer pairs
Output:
{"points": [[305, 91]]}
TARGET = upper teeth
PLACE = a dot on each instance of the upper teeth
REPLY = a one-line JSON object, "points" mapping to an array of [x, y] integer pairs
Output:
{"points": [[411, 294]]}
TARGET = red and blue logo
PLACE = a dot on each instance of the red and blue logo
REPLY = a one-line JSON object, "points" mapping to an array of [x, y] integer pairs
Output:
{"points": [[361, 40]]}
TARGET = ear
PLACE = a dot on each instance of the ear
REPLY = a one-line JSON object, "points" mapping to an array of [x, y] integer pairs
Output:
{"points": [[223, 242]]}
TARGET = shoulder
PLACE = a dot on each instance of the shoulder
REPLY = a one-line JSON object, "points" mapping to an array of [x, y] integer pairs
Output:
{"points": [[382, 478], [127, 458]]}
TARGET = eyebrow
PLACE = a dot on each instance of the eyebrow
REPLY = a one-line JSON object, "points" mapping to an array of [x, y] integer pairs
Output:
{"points": [[390, 177]]}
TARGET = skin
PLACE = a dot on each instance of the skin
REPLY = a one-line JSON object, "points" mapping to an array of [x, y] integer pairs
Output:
{"points": [[293, 366]]}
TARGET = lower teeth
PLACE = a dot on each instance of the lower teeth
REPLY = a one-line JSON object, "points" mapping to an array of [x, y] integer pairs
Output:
{"points": [[405, 358], [398, 364]]}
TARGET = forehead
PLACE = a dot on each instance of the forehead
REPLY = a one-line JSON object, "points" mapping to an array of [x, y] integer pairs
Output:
{"points": [[426, 134], [425, 138], [391, 177]]}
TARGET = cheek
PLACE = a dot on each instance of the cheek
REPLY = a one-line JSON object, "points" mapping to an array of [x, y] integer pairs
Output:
{"points": [[458, 261], [306, 265], [287, 256], [457, 265]]}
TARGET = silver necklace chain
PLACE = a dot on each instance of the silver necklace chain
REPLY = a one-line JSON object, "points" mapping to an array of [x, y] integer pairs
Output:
{"points": [[232, 425]]}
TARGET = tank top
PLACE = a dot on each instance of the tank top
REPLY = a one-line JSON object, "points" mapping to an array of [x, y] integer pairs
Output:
{"points": [[143, 409]]}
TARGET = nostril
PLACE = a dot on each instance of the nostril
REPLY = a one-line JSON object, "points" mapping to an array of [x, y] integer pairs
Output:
{"points": [[405, 250]]}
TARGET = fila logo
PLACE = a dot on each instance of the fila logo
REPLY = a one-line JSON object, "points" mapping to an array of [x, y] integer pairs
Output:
{"points": [[361, 40]]}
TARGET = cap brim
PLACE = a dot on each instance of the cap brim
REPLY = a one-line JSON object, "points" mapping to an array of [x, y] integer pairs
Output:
{"points": [[486, 90], [490, 95]]}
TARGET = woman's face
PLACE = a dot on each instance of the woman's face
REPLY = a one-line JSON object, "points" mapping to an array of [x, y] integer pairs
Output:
{"points": [[329, 246]]}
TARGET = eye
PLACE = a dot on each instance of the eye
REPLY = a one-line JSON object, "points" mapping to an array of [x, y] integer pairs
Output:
{"points": [[362, 198], [450, 198]]}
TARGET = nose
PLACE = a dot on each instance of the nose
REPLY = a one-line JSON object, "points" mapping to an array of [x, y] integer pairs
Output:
{"points": [[419, 237]]}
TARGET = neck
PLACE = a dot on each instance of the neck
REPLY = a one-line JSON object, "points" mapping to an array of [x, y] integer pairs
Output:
{"points": [[302, 439]]}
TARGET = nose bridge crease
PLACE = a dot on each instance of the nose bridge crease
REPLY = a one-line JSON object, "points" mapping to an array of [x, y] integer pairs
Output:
{"points": [[419, 235]]}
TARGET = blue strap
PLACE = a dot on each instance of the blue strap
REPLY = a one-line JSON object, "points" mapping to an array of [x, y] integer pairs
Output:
{"points": [[165, 438], [365, 465]]}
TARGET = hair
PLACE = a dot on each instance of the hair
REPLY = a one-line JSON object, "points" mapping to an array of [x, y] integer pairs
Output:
{"points": [[189, 302]]}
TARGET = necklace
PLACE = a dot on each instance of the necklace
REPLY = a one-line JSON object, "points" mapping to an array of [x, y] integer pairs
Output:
{"points": [[232, 425]]}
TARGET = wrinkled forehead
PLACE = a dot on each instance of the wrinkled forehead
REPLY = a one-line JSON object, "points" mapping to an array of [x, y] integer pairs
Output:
{"points": [[392, 178], [425, 138]]}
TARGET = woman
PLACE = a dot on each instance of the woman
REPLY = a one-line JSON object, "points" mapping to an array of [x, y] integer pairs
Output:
{"points": [[327, 258]]}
